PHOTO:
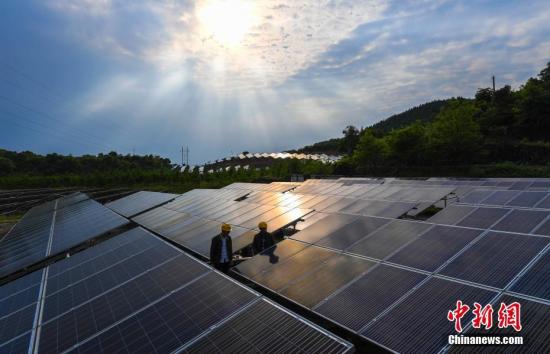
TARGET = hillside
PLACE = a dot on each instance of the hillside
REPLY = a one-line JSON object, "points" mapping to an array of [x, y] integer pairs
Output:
{"points": [[425, 113]]}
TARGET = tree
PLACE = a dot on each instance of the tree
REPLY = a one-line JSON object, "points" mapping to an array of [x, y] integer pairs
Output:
{"points": [[407, 145], [455, 135], [371, 152], [350, 140], [6, 166], [533, 107]]}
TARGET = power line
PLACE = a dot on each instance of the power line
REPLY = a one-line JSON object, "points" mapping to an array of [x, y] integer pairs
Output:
{"points": [[74, 138], [80, 133], [48, 90]]}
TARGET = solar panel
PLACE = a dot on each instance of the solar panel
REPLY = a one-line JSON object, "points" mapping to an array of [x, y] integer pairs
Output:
{"points": [[521, 221], [287, 218], [483, 218], [106, 256], [386, 208], [389, 238], [283, 273], [266, 328], [451, 214], [324, 227], [520, 185], [527, 199], [540, 185], [496, 258], [476, 196], [271, 256], [167, 324], [25, 244], [534, 281], [100, 301], [543, 229], [339, 205], [535, 328], [253, 221], [17, 345], [139, 202], [352, 232], [433, 248], [544, 204], [310, 219], [366, 298], [323, 281], [18, 304], [80, 222], [500, 197], [419, 323]]}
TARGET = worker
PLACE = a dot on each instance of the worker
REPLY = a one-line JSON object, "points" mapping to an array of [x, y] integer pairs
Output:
{"points": [[263, 239], [221, 250]]}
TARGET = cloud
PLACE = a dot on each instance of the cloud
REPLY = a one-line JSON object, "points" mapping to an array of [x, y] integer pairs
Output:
{"points": [[303, 69]]}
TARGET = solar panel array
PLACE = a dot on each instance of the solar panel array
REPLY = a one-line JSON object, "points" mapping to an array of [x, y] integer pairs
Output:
{"points": [[393, 281], [136, 293], [139, 202], [352, 262], [193, 219], [54, 227]]}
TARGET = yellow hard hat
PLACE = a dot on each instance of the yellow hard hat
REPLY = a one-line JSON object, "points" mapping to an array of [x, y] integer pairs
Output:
{"points": [[226, 227], [262, 225]]}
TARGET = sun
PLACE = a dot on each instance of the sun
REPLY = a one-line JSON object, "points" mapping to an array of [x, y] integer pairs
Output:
{"points": [[227, 21]]}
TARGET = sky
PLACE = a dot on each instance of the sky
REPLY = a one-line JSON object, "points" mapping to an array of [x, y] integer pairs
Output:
{"points": [[226, 76]]}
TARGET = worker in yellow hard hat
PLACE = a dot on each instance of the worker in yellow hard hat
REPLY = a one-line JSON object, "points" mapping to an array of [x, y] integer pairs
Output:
{"points": [[221, 249], [263, 239]]}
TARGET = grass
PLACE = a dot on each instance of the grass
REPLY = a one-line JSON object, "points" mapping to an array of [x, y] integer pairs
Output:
{"points": [[4, 219]]}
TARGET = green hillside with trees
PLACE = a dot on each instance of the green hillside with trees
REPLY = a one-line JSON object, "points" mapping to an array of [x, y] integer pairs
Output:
{"points": [[501, 132], [424, 113]]}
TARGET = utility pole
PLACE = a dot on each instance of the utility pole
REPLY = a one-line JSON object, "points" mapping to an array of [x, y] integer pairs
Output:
{"points": [[184, 156], [494, 87], [187, 155]]}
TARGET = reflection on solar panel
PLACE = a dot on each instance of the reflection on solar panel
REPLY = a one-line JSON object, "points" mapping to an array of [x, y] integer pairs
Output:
{"points": [[324, 227], [366, 298], [535, 329], [196, 232], [317, 285], [282, 273], [352, 232], [496, 258], [389, 238], [423, 313], [433, 248], [280, 332], [451, 214], [139, 202], [271, 256], [534, 281]]}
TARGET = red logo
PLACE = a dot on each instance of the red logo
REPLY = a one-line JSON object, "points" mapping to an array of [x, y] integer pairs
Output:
{"points": [[508, 315], [457, 314]]}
